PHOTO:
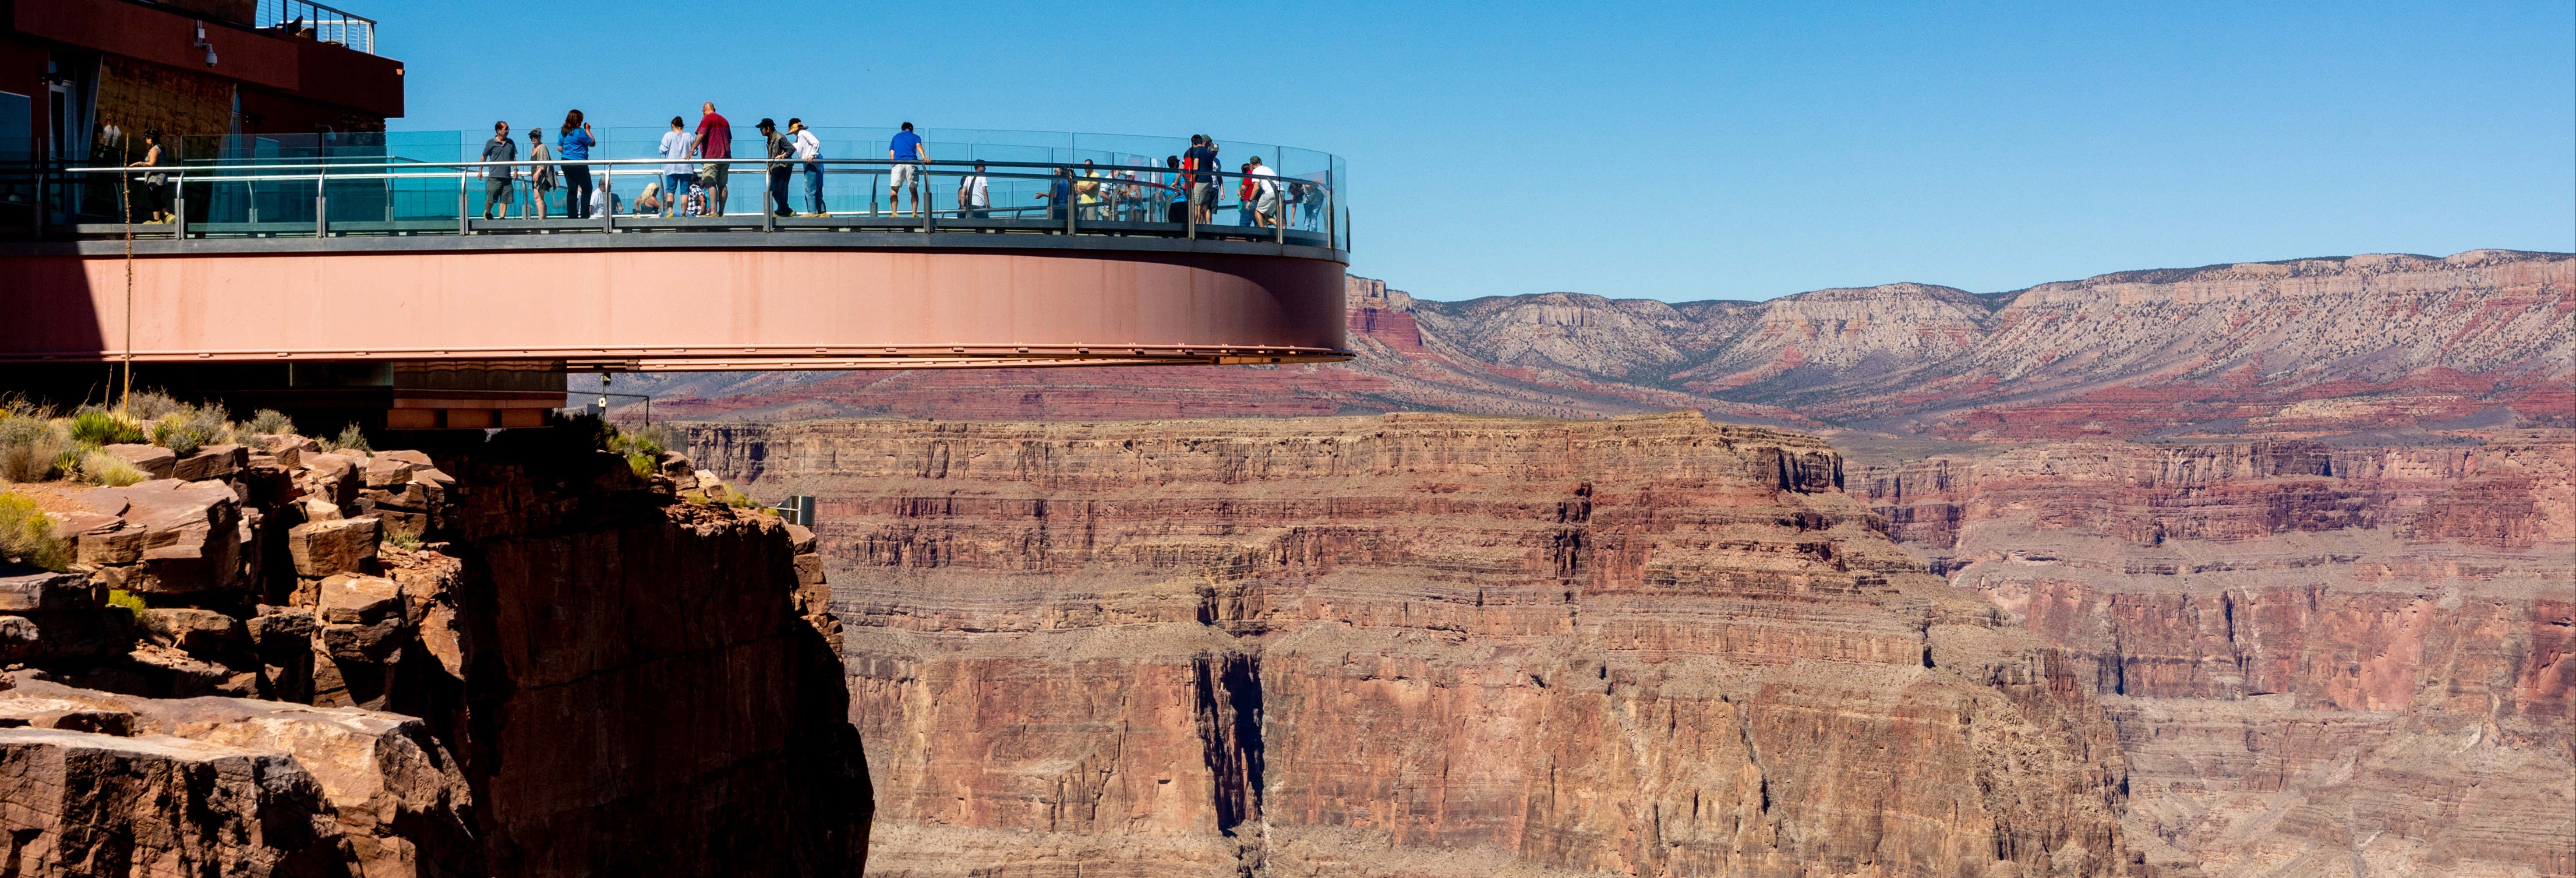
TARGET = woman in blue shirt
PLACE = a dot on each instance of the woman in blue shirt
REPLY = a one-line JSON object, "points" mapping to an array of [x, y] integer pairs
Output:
{"points": [[573, 145]]}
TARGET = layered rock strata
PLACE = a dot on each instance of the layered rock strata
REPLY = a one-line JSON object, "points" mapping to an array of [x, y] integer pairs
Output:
{"points": [[2324, 660], [1423, 645]]}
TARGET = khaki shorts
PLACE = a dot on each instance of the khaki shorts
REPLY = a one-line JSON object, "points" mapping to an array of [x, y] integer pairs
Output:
{"points": [[1203, 194], [904, 175], [712, 175]]}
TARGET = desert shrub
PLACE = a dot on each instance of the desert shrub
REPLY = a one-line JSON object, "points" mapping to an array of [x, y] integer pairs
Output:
{"points": [[644, 465], [271, 422], [151, 405], [350, 439], [133, 603], [189, 428], [405, 542], [27, 536], [648, 440], [738, 499], [102, 468], [30, 447], [94, 426]]}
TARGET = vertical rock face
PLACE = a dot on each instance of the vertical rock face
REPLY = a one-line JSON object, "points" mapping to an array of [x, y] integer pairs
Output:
{"points": [[2322, 660], [1423, 645], [641, 694]]}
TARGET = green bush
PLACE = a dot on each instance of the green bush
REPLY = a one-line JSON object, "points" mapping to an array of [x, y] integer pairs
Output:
{"points": [[271, 422], [94, 426], [27, 536], [189, 428], [133, 603], [350, 439], [30, 447]]}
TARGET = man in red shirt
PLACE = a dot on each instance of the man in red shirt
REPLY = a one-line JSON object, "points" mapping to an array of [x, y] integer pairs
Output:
{"points": [[714, 141]]}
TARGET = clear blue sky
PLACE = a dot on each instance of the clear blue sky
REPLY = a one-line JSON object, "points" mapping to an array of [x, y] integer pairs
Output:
{"points": [[1672, 150]]}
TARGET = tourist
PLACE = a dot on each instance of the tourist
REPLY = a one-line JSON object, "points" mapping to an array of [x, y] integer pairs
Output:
{"points": [[907, 150], [157, 190], [677, 174], [809, 149], [1086, 193], [496, 177], [602, 202], [975, 195], [1243, 189], [715, 141], [1175, 209], [1059, 194], [652, 200], [572, 145], [542, 179], [780, 147], [1266, 211], [1199, 160]]}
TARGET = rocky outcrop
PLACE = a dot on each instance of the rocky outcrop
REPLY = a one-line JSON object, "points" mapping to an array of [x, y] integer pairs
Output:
{"points": [[2323, 659], [546, 664], [1423, 645], [2298, 347], [230, 786]]}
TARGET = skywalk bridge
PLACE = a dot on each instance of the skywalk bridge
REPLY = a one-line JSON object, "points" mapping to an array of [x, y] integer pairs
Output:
{"points": [[379, 284]]}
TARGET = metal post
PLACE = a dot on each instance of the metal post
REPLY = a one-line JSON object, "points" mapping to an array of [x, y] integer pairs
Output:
{"points": [[1070, 200], [464, 220], [1278, 194], [321, 212], [768, 216], [1190, 205], [927, 224], [608, 215], [178, 208]]}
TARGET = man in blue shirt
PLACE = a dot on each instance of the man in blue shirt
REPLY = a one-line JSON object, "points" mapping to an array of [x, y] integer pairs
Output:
{"points": [[1201, 158], [906, 150]]}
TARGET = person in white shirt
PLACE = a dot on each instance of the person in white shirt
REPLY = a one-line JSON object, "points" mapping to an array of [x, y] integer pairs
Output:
{"points": [[975, 194], [808, 149], [1266, 211], [677, 174]]}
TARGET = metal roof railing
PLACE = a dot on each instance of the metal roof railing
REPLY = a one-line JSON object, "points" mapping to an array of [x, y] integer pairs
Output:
{"points": [[324, 23]]}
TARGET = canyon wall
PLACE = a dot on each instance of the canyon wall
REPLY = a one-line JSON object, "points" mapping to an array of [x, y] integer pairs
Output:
{"points": [[1419, 645], [2323, 660]]}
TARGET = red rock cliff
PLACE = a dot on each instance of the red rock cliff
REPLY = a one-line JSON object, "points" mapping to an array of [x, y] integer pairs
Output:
{"points": [[2318, 656], [1423, 645]]}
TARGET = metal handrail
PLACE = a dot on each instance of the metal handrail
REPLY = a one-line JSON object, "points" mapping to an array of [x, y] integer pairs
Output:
{"points": [[1332, 224]]}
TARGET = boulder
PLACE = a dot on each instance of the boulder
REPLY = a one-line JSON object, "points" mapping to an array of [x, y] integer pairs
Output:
{"points": [[322, 548], [281, 626], [19, 638], [47, 591], [191, 540], [377, 643], [800, 539], [333, 478], [385, 470], [676, 466], [211, 462], [362, 600], [388, 796], [411, 456], [82, 803], [109, 546], [153, 460], [199, 632]]}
